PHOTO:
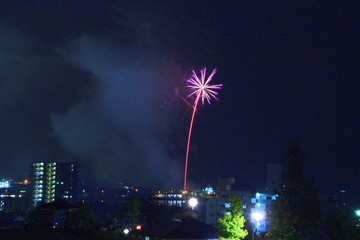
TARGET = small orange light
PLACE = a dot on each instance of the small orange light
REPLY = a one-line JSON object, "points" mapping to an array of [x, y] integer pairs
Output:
{"points": [[138, 227]]}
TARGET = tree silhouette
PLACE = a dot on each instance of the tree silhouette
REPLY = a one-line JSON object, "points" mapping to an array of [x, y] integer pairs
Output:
{"points": [[298, 206]]}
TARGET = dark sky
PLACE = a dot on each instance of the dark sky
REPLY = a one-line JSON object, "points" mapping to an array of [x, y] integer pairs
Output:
{"points": [[95, 82]]}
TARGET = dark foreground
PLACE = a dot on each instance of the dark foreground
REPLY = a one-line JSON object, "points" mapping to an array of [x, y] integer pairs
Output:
{"points": [[59, 234]]}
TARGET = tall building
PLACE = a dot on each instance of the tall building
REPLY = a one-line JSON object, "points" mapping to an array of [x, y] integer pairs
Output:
{"points": [[43, 182], [51, 180], [67, 182]]}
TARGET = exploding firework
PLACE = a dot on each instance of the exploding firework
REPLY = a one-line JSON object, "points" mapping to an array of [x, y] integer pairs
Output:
{"points": [[202, 89]]}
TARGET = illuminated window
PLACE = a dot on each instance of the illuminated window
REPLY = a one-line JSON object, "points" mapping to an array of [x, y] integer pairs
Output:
{"points": [[4, 184]]}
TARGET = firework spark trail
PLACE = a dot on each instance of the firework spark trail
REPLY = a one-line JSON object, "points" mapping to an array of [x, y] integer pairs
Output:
{"points": [[202, 89], [189, 137]]}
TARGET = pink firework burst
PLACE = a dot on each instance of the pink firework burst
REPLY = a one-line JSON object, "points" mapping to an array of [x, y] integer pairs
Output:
{"points": [[202, 86], [202, 89]]}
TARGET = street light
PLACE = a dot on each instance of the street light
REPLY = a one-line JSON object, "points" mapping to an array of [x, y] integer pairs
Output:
{"points": [[257, 216], [193, 202], [357, 212]]}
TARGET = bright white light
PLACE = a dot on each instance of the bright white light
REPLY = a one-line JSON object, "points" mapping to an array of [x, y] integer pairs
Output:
{"points": [[193, 202], [4, 184], [126, 231], [257, 216], [357, 212]]}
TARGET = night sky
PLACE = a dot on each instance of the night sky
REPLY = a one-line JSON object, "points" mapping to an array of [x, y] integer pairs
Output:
{"points": [[103, 83]]}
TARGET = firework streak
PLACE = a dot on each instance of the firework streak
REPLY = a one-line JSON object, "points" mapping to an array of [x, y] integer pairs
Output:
{"points": [[203, 90]]}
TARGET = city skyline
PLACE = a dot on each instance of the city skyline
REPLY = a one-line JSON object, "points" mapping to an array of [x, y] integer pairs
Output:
{"points": [[101, 83]]}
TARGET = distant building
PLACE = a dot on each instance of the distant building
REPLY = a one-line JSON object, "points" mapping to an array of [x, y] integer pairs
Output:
{"points": [[14, 195], [240, 183], [54, 214], [252, 203], [273, 180], [224, 184], [261, 204], [51, 180], [67, 182], [215, 207]]}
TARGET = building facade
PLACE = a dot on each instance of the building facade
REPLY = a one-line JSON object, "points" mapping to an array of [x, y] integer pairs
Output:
{"points": [[51, 180], [260, 206], [67, 182], [258, 203], [215, 207]]}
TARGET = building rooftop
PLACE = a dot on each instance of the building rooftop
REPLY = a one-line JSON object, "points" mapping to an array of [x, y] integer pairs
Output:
{"points": [[186, 228]]}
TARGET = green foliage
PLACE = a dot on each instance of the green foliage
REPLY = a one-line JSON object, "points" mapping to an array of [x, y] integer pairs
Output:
{"points": [[231, 227], [340, 224]]}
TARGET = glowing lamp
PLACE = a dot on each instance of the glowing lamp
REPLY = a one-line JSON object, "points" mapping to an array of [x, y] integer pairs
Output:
{"points": [[126, 231], [257, 216], [193, 202], [138, 227], [357, 212]]}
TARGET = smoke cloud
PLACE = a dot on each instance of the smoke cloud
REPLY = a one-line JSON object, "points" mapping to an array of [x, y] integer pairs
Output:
{"points": [[91, 100], [119, 131]]}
